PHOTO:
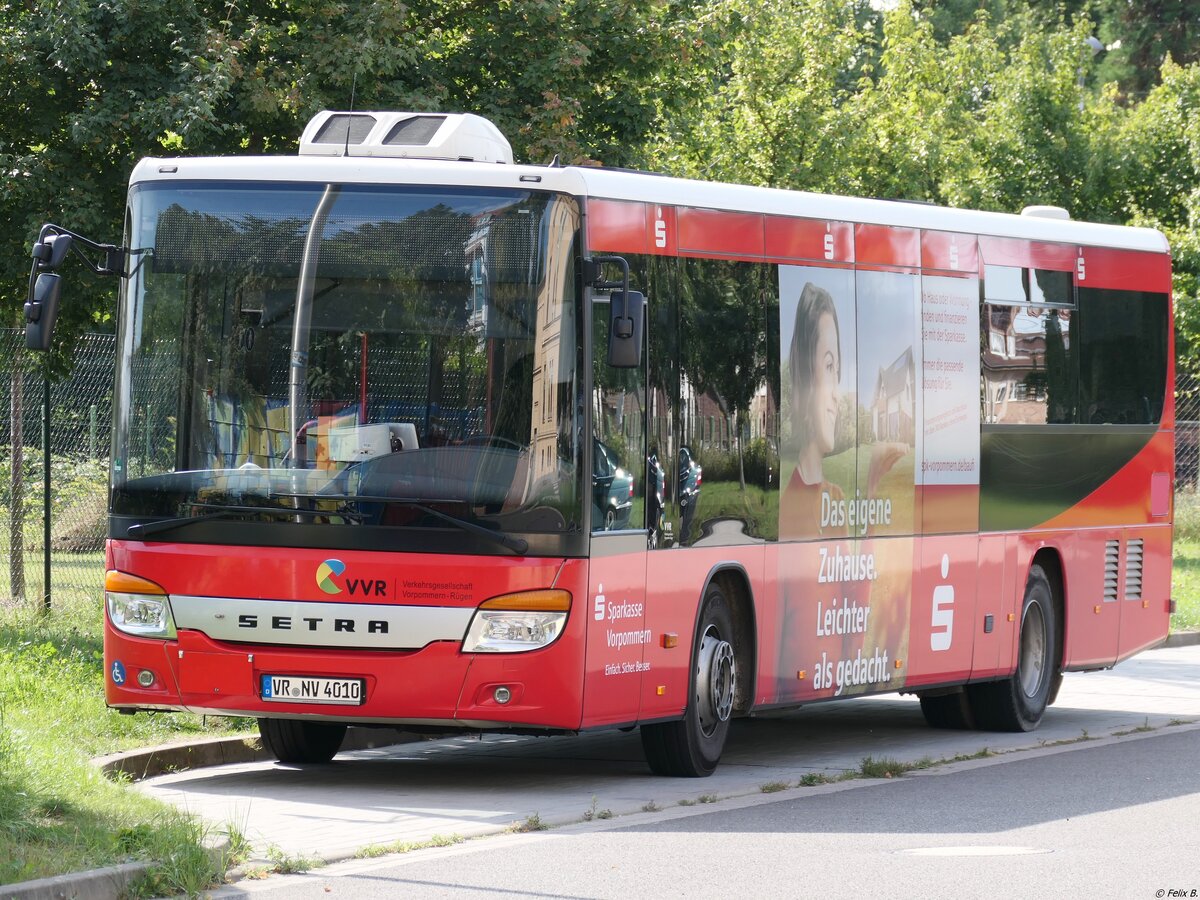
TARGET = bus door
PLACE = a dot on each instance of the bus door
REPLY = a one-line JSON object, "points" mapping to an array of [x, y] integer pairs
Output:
{"points": [[616, 603]]}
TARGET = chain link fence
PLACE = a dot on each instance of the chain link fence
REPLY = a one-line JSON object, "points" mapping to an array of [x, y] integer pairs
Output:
{"points": [[80, 424], [1187, 432]]}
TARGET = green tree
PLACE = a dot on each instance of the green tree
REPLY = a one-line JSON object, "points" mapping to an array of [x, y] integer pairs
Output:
{"points": [[1142, 37], [771, 112], [1160, 188], [92, 87]]}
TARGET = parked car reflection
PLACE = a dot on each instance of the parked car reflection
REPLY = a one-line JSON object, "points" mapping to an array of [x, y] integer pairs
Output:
{"points": [[690, 479], [612, 490], [656, 483]]}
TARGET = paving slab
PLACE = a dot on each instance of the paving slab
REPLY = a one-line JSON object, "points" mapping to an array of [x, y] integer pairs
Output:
{"points": [[471, 786]]}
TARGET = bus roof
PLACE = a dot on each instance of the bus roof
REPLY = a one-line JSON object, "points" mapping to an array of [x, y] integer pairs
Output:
{"points": [[641, 187]]}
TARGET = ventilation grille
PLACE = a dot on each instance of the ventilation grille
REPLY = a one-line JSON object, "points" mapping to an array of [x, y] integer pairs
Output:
{"points": [[334, 129], [415, 132], [1112, 556], [1133, 570]]}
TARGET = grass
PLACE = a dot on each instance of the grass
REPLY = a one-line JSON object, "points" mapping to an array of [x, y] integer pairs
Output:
{"points": [[438, 840], [890, 768], [57, 812], [533, 822], [593, 813], [812, 779], [290, 864], [1185, 585], [1185, 572]]}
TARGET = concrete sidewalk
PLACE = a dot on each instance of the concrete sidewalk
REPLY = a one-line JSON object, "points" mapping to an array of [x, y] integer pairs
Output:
{"points": [[471, 786]]}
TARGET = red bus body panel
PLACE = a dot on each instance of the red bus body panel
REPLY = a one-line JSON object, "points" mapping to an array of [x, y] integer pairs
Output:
{"points": [[436, 683], [625, 654]]}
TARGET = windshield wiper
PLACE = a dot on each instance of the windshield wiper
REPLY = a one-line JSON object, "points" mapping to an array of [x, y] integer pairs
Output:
{"points": [[516, 544], [223, 512]]}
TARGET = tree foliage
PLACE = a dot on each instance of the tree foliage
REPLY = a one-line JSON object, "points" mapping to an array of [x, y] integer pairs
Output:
{"points": [[93, 86], [992, 105]]}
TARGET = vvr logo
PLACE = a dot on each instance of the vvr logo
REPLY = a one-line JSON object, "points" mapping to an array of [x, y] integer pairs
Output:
{"points": [[327, 572], [328, 577]]}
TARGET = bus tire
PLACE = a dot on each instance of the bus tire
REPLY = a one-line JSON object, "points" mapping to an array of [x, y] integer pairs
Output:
{"points": [[1018, 702], [692, 746], [948, 711], [298, 741]]}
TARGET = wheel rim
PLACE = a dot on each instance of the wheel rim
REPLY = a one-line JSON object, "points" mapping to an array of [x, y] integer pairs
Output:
{"points": [[1032, 665], [715, 680]]}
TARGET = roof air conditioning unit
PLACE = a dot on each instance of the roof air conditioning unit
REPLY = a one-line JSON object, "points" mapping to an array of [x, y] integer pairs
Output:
{"points": [[405, 135], [1047, 212]]}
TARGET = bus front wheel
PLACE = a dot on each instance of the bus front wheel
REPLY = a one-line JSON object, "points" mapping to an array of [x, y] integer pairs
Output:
{"points": [[298, 741], [692, 746], [1018, 702]]}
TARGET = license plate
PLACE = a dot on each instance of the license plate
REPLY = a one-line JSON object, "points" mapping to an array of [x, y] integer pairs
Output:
{"points": [[309, 689]]}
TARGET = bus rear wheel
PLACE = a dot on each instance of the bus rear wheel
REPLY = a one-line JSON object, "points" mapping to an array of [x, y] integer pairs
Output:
{"points": [[298, 741], [692, 746], [951, 710], [1018, 702]]}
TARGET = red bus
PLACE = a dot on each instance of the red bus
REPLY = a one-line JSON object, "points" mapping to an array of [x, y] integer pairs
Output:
{"points": [[409, 435]]}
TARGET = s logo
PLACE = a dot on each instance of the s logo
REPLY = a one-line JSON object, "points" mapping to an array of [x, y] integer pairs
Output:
{"points": [[660, 233]]}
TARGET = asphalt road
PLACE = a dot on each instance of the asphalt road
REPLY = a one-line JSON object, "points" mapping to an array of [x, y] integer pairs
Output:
{"points": [[1113, 818]]}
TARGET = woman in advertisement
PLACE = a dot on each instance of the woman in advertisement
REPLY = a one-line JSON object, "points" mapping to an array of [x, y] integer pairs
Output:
{"points": [[815, 369]]}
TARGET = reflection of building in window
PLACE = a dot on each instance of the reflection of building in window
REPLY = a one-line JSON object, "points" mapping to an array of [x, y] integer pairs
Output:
{"points": [[550, 372], [894, 401], [1027, 372], [762, 413]]}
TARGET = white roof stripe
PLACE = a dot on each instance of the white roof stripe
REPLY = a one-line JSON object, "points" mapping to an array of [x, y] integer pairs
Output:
{"points": [[639, 187]]}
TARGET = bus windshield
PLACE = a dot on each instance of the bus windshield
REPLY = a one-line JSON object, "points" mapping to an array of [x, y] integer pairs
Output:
{"points": [[388, 357]]}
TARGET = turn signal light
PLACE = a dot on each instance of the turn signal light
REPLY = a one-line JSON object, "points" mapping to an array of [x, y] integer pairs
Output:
{"points": [[124, 583], [531, 601]]}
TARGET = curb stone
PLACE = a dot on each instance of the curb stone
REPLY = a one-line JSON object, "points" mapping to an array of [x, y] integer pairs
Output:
{"points": [[98, 884], [198, 754], [1181, 639]]}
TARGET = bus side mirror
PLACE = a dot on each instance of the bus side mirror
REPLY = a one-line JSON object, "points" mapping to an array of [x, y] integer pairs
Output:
{"points": [[51, 251], [627, 317], [41, 310]]}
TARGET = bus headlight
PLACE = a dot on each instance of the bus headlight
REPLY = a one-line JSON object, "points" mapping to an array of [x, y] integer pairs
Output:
{"points": [[517, 623], [137, 606]]}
